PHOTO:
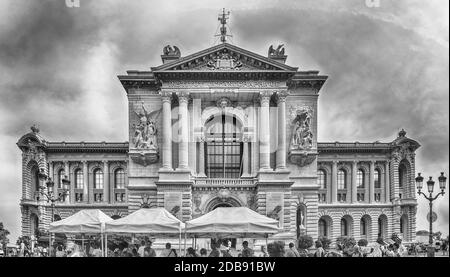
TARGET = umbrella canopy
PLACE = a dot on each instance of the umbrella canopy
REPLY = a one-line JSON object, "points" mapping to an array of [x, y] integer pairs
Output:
{"points": [[84, 221], [146, 221], [232, 222]]}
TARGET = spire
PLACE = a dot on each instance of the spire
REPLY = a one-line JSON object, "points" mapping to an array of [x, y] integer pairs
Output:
{"points": [[223, 28]]}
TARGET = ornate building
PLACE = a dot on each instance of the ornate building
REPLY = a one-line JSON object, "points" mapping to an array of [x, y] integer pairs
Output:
{"points": [[228, 127]]}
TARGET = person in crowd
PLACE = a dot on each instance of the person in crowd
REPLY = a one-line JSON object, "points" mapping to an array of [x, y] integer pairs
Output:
{"points": [[320, 252], [96, 252], [141, 249], [264, 252], [444, 248], [191, 252], [215, 251], [149, 251], [203, 252], [246, 251], [134, 252], [60, 252], [168, 252], [292, 251], [225, 248]]}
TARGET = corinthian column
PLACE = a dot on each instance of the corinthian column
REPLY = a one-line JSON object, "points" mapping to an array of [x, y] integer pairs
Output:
{"points": [[354, 183], [334, 189], [167, 130], [183, 98], [245, 160], [86, 197], [202, 158], [281, 149], [105, 181], [371, 182], [387, 187], [71, 188], [264, 135]]}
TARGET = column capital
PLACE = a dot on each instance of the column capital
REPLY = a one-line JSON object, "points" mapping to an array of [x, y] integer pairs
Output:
{"points": [[166, 96], [264, 96], [372, 162], [355, 162], [281, 96], [84, 161], [335, 162], [183, 96], [105, 161]]}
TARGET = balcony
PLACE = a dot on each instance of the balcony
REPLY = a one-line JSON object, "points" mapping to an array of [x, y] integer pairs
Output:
{"points": [[224, 182]]}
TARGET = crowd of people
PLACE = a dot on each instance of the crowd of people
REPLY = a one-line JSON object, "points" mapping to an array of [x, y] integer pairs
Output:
{"points": [[220, 248]]}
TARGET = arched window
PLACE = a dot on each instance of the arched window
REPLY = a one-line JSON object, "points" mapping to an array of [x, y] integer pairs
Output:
{"points": [[360, 179], [323, 232], [61, 174], [34, 181], [377, 178], [119, 178], [79, 182], [341, 179], [98, 179], [223, 147], [363, 227], [402, 175], [344, 227], [322, 179]]}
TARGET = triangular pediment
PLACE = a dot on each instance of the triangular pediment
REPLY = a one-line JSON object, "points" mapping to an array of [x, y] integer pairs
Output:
{"points": [[224, 57]]}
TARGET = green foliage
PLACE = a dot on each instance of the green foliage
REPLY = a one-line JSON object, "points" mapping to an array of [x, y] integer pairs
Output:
{"points": [[363, 242], [325, 242], [3, 234], [305, 242], [276, 249], [345, 243]]}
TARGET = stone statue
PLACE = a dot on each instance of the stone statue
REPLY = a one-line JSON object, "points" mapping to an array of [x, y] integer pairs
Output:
{"points": [[169, 51], [279, 52], [145, 133], [302, 136]]}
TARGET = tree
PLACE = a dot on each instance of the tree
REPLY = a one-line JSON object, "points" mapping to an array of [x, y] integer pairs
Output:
{"points": [[325, 242], [345, 243], [305, 242], [3, 235], [276, 249], [363, 242]]}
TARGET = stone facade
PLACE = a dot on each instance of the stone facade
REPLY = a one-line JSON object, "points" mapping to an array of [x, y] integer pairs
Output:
{"points": [[228, 127]]}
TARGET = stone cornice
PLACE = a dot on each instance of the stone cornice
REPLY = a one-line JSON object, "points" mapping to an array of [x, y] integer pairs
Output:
{"points": [[112, 147]]}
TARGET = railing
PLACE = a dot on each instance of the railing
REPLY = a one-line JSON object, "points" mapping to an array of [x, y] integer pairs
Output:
{"points": [[224, 182]]}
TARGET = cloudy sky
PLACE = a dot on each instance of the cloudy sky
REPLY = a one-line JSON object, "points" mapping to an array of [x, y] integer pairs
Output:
{"points": [[388, 69]]}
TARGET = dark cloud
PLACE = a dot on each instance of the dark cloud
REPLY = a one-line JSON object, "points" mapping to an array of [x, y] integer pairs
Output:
{"points": [[58, 68]]}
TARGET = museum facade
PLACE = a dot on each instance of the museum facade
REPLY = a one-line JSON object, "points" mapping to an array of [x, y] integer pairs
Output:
{"points": [[227, 127]]}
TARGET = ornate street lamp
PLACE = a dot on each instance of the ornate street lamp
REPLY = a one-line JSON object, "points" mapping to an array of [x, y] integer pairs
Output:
{"points": [[50, 193], [430, 185]]}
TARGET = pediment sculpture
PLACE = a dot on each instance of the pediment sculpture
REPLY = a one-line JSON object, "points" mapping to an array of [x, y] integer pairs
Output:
{"points": [[224, 61]]}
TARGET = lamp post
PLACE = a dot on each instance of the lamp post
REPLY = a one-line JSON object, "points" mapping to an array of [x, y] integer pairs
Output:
{"points": [[430, 186], [50, 195]]}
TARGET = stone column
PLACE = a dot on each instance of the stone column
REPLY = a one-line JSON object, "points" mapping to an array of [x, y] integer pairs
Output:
{"points": [[183, 98], [281, 149], [167, 130], [371, 182], [105, 181], [264, 135], [387, 187], [354, 183], [334, 188], [50, 171], [245, 160], [72, 186], [202, 158], [85, 182]]}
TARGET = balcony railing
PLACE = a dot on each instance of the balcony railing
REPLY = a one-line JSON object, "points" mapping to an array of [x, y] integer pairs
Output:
{"points": [[224, 182]]}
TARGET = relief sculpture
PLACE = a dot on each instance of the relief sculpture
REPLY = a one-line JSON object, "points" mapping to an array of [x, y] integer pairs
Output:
{"points": [[145, 132], [302, 136]]}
